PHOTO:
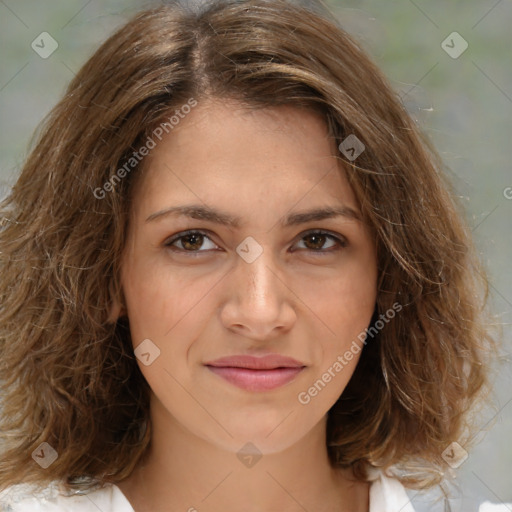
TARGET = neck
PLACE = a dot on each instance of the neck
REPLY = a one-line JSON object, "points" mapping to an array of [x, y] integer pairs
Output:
{"points": [[182, 471]]}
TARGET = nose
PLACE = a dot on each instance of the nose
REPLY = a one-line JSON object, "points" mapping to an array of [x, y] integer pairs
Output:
{"points": [[259, 304]]}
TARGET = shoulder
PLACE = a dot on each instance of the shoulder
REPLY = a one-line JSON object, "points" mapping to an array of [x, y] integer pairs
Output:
{"points": [[387, 494], [24, 498], [487, 506]]}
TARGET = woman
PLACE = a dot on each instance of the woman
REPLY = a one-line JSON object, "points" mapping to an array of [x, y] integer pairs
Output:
{"points": [[234, 279]]}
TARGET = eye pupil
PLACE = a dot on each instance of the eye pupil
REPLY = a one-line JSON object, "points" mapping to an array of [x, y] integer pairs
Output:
{"points": [[317, 237], [192, 246]]}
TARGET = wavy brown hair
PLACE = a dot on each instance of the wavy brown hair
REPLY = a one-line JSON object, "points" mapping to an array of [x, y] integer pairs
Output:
{"points": [[68, 373]]}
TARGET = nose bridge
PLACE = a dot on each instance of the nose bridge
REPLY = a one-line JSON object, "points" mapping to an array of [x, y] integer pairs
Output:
{"points": [[257, 303], [258, 278]]}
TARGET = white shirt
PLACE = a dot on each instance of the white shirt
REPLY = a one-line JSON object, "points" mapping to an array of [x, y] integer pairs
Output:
{"points": [[386, 495]]}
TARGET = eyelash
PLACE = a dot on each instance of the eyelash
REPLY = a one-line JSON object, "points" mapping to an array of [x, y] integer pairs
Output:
{"points": [[342, 243]]}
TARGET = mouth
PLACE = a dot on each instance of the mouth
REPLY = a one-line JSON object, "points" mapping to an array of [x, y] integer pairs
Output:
{"points": [[256, 373]]}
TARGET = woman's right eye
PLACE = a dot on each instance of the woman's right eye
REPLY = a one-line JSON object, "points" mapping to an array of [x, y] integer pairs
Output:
{"points": [[190, 242]]}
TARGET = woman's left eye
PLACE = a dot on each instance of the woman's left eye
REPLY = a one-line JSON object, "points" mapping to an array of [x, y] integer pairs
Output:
{"points": [[317, 239], [191, 241]]}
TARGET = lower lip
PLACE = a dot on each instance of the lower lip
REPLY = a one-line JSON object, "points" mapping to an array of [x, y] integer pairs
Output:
{"points": [[256, 380]]}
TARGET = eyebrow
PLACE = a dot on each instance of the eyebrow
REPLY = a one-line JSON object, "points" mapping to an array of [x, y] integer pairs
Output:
{"points": [[202, 212]]}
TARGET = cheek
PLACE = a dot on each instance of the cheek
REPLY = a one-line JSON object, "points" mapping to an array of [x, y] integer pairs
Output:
{"points": [[166, 307], [344, 301], [345, 310], [160, 308], [147, 300], [345, 307]]}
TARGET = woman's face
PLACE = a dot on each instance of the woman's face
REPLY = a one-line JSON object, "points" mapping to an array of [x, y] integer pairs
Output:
{"points": [[259, 285]]}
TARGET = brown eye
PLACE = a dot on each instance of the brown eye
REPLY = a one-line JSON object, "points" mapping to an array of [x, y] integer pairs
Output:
{"points": [[315, 242], [190, 241]]}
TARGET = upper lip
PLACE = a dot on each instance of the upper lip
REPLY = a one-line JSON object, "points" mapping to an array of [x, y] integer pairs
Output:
{"points": [[268, 362]]}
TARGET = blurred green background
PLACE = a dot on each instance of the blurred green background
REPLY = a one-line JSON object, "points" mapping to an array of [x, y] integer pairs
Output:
{"points": [[464, 104]]}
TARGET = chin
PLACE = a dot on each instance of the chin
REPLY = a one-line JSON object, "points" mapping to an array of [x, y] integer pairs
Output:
{"points": [[265, 437]]}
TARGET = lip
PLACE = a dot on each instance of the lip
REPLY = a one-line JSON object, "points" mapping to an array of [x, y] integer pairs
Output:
{"points": [[268, 362], [256, 373]]}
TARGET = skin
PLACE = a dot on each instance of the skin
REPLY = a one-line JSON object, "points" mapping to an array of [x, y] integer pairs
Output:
{"points": [[259, 165]]}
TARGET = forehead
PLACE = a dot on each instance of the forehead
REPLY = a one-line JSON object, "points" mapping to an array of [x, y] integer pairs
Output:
{"points": [[227, 155]]}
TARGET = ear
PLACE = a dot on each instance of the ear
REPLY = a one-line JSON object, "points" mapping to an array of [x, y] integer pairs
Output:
{"points": [[116, 311], [117, 306]]}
